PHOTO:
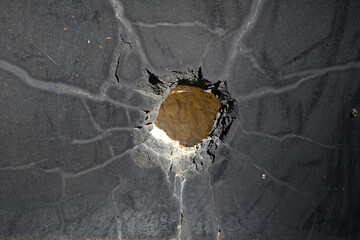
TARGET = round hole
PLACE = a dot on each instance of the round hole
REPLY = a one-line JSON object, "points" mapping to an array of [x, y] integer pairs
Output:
{"points": [[187, 114]]}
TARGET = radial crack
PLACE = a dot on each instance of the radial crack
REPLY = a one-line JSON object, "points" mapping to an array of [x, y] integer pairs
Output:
{"points": [[104, 164], [23, 167], [216, 30], [117, 212], [213, 207], [324, 70], [119, 13], [292, 136], [58, 88], [309, 74], [243, 30], [99, 137], [182, 180]]}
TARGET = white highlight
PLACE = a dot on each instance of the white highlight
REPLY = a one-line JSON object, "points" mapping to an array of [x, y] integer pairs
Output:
{"points": [[161, 135], [179, 91]]}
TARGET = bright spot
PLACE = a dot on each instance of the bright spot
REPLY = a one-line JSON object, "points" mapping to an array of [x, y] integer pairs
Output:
{"points": [[161, 135]]}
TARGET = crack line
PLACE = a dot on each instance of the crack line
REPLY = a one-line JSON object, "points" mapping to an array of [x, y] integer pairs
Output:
{"points": [[213, 206], [58, 88], [119, 13], [254, 16], [324, 70], [312, 74], [117, 217], [23, 167], [99, 137], [216, 30], [292, 135], [104, 164]]}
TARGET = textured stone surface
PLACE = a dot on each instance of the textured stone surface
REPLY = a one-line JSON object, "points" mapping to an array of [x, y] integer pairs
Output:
{"points": [[77, 99]]}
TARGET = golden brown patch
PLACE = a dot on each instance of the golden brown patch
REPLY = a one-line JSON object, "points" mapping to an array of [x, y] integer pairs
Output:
{"points": [[354, 113], [187, 114]]}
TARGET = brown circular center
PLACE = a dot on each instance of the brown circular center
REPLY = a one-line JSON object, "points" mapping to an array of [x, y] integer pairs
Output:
{"points": [[187, 114]]}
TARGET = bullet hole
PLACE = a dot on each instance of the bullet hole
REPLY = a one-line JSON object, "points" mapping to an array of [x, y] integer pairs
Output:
{"points": [[192, 120], [187, 114], [354, 113]]}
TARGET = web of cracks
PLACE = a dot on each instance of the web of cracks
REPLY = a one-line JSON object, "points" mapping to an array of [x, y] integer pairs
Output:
{"points": [[63, 89]]}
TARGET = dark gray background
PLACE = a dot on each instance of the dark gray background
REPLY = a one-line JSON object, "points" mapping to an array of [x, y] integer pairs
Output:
{"points": [[72, 159]]}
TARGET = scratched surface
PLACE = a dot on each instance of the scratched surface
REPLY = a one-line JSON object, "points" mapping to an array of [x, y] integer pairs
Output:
{"points": [[73, 104]]}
